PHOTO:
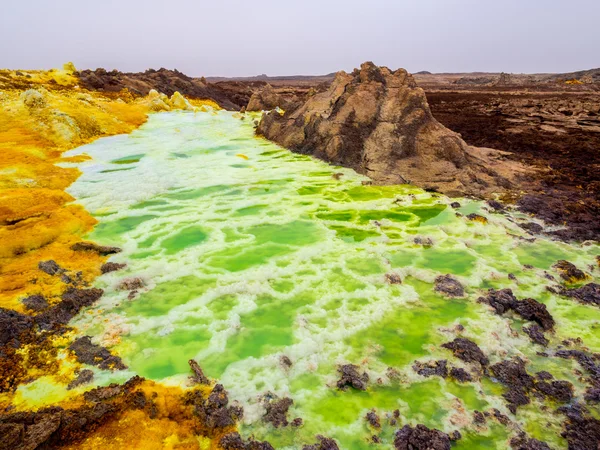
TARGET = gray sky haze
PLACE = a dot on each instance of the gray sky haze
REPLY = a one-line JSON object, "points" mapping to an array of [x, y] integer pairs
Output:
{"points": [[286, 37]]}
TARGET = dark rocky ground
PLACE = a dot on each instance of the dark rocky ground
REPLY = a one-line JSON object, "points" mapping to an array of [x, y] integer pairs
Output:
{"points": [[558, 132]]}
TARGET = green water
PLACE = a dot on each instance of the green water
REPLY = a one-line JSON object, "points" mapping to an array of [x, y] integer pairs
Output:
{"points": [[248, 260]]}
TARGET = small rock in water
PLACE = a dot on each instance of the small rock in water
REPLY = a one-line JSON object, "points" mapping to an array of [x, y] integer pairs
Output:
{"points": [[495, 205], [112, 267], [198, 377], [431, 368], [393, 278], [351, 377], [477, 218], [455, 205], [324, 443], [467, 351], [89, 353], [536, 334], [85, 376], [421, 438], [91, 247], [285, 361], [569, 272], [131, 284], [424, 241], [532, 227], [277, 411], [373, 419], [460, 375], [448, 285]]}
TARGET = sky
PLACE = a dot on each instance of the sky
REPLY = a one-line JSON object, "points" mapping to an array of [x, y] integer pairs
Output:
{"points": [[290, 37]]}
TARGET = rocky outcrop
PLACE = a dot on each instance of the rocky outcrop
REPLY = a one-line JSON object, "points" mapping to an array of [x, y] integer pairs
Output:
{"points": [[378, 122], [265, 99], [163, 80]]}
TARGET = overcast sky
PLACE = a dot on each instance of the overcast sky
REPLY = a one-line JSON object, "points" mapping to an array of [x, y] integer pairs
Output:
{"points": [[285, 37]]}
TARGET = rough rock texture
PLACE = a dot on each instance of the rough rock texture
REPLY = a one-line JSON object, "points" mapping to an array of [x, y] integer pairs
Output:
{"points": [[324, 443], [233, 441], [112, 267], [13, 326], [467, 350], [89, 353], [351, 377], [266, 99], [35, 303], [91, 247], [378, 122], [277, 410], [421, 438], [198, 377], [162, 80], [569, 272], [523, 442], [213, 411], [536, 334], [55, 427], [529, 309], [590, 293], [83, 377], [72, 301], [450, 286], [431, 368]]}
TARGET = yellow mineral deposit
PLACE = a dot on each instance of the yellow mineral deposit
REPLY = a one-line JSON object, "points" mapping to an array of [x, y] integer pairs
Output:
{"points": [[42, 115]]}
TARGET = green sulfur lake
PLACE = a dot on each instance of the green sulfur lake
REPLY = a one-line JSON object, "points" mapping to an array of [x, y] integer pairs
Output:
{"points": [[250, 253]]}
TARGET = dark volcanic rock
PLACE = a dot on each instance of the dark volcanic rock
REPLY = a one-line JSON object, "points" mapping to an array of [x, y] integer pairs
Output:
{"points": [[529, 309], [523, 442], [72, 301], [277, 411], [198, 377], [84, 377], [233, 441], [431, 368], [112, 267], [569, 272], [513, 375], [467, 350], [55, 427], [91, 247], [35, 303], [13, 326], [163, 80], [588, 294], [585, 360], [50, 267], [561, 391], [351, 377], [378, 122], [532, 227], [581, 431], [214, 411], [450, 286], [460, 375], [421, 438], [324, 443], [89, 353], [536, 334], [373, 419]]}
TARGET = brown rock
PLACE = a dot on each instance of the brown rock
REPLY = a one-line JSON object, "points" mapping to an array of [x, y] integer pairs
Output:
{"points": [[378, 122]]}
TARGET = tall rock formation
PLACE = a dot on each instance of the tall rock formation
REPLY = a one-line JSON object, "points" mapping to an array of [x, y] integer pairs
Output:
{"points": [[378, 122]]}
